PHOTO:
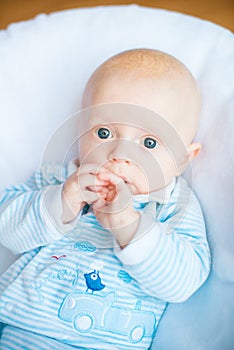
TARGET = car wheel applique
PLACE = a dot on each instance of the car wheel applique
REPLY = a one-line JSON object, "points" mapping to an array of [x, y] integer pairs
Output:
{"points": [[84, 322], [137, 334]]}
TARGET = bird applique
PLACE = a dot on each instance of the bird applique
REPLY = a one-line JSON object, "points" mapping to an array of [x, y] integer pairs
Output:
{"points": [[93, 281]]}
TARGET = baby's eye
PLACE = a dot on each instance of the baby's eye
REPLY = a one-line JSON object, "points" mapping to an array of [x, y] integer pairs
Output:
{"points": [[104, 133], [150, 143]]}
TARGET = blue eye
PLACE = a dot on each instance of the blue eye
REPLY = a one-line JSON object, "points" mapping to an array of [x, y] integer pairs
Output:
{"points": [[150, 143], [104, 133]]}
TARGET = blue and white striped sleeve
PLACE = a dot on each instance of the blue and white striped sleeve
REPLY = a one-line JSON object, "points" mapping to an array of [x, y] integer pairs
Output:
{"points": [[27, 219], [170, 258]]}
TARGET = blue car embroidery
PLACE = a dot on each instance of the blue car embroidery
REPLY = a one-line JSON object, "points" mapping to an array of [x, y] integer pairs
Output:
{"points": [[88, 311]]}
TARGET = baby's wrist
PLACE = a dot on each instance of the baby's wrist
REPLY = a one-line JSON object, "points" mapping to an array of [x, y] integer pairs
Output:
{"points": [[69, 211], [126, 229]]}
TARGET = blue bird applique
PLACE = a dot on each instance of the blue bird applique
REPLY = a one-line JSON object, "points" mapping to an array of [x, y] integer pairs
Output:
{"points": [[93, 281]]}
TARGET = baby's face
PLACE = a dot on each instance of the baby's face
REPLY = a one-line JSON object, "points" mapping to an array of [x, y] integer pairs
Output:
{"points": [[126, 134]]}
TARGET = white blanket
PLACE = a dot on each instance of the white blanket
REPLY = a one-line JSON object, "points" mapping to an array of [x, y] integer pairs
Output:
{"points": [[44, 64]]}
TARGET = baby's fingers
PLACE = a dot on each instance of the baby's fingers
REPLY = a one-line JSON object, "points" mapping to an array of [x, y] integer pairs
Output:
{"points": [[112, 178], [90, 180], [90, 168], [99, 203], [118, 184], [119, 196], [90, 197], [102, 189]]}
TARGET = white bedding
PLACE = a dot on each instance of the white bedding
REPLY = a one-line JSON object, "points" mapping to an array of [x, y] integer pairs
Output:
{"points": [[44, 64]]}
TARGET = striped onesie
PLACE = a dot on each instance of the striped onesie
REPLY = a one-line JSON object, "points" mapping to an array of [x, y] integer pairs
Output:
{"points": [[73, 287]]}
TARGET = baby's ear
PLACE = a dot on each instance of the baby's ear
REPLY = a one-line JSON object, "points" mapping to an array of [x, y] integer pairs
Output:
{"points": [[193, 150]]}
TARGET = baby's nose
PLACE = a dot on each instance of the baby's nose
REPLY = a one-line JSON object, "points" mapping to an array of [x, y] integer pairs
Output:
{"points": [[122, 152], [120, 160]]}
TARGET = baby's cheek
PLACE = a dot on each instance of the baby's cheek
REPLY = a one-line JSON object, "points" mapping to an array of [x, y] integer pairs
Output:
{"points": [[141, 184]]}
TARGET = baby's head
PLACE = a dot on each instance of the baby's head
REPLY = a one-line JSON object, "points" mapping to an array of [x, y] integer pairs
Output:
{"points": [[147, 108]]}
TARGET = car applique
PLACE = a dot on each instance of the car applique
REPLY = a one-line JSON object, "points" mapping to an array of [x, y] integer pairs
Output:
{"points": [[88, 311]]}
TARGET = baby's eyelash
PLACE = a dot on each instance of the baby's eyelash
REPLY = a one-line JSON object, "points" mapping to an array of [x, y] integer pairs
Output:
{"points": [[103, 133], [150, 142]]}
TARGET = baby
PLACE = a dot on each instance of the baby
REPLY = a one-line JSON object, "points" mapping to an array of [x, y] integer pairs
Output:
{"points": [[109, 240]]}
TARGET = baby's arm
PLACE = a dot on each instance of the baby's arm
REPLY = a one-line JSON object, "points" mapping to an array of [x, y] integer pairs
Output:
{"points": [[170, 266], [39, 211], [24, 221]]}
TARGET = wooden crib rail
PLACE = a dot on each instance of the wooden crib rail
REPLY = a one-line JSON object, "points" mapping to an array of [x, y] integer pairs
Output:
{"points": [[220, 12]]}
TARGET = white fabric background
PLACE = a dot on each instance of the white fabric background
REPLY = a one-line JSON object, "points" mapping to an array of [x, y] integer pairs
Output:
{"points": [[44, 64]]}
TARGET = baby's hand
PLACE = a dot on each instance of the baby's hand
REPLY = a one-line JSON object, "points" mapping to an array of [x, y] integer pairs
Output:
{"points": [[116, 213], [80, 188]]}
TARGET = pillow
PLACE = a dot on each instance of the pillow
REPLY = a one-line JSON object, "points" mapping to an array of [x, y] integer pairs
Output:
{"points": [[44, 65]]}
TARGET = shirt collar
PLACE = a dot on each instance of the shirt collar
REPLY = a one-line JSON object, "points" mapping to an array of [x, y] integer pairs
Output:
{"points": [[161, 196], [71, 167]]}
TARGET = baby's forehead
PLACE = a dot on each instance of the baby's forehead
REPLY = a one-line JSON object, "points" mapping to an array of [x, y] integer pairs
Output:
{"points": [[150, 79]]}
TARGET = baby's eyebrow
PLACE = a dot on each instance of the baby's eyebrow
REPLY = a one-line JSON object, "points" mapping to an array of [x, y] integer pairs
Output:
{"points": [[98, 121], [145, 132], [95, 121]]}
